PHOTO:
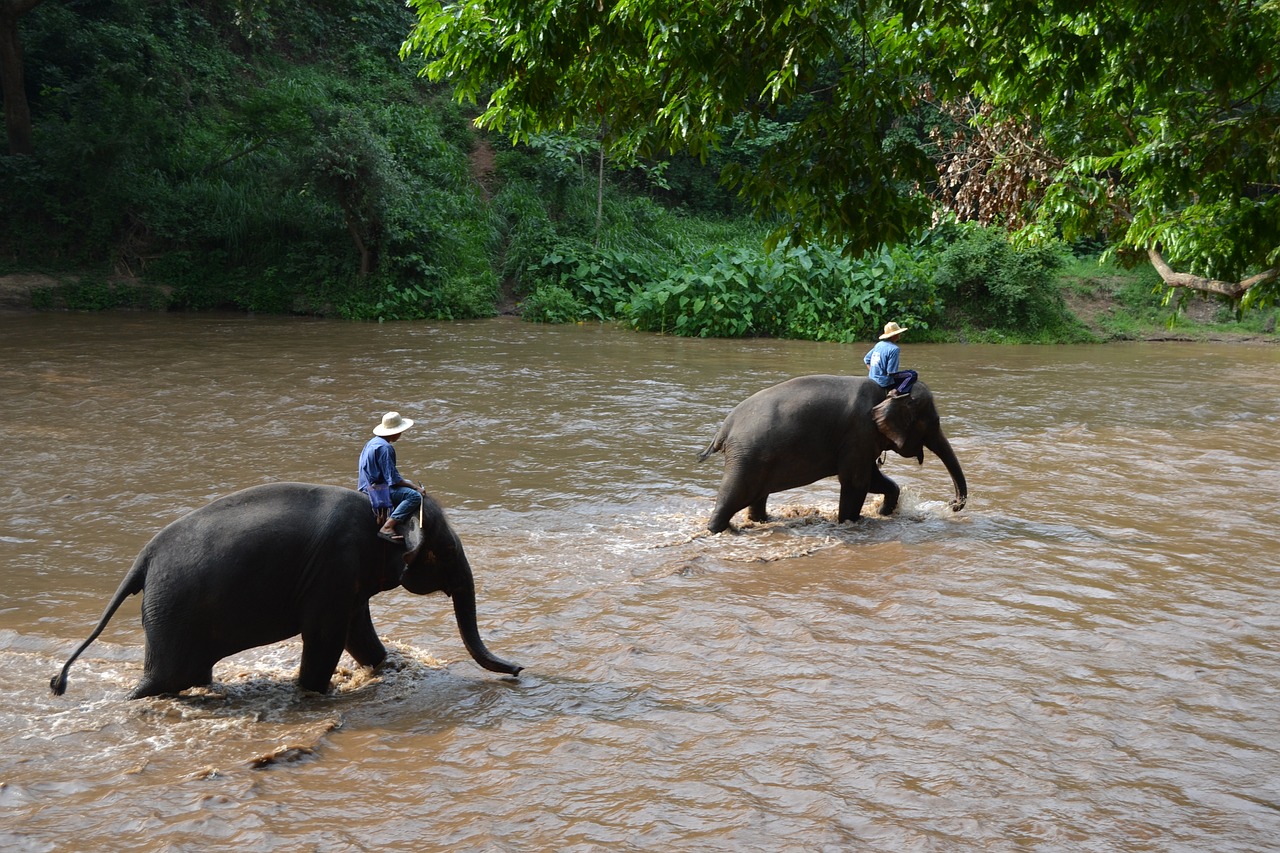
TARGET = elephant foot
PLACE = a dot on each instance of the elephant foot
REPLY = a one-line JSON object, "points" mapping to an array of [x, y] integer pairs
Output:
{"points": [[723, 528], [720, 522], [166, 687]]}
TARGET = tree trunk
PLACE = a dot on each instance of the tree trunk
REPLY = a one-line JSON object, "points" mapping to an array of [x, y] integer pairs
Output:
{"points": [[353, 228], [17, 113], [600, 196], [1233, 289]]}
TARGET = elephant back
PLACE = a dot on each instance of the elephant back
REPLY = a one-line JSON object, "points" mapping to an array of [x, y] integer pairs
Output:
{"points": [[799, 409], [296, 525]]}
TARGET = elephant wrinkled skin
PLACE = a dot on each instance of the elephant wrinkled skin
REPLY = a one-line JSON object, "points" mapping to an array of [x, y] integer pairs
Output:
{"points": [[810, 427], [274, 561]]}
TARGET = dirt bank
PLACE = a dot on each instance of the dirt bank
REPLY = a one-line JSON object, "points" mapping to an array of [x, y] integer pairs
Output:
{"points": [[16, 290], [1198, 322]]}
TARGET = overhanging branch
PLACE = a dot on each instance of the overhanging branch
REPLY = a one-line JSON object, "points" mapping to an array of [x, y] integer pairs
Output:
{"points": [[1232, 289]]}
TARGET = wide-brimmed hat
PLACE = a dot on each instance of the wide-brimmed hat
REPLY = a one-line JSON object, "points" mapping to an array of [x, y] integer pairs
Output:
{"points": [[392, 424], [892, 330]]}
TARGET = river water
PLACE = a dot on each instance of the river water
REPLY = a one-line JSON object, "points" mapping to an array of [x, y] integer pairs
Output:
{"points": [[1086, 658]]}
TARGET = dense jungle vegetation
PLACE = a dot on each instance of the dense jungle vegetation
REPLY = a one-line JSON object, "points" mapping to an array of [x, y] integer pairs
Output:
{"points": [[282, 157]]}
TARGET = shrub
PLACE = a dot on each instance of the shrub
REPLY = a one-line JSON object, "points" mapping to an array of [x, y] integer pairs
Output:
{"points": [[552, 303], [601, 281], [806, 293], [984, 279], [725, 293]]}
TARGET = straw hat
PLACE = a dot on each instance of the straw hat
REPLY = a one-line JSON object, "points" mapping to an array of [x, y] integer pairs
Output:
{"points": [[392, 424], [892, 330]]}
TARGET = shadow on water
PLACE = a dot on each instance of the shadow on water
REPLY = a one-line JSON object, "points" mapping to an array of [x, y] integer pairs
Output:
{"points": [[253, 715], [801, 528]]}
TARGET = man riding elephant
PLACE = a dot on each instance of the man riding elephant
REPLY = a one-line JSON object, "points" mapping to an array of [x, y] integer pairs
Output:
{"points": [[394, 498], [882, 363]]}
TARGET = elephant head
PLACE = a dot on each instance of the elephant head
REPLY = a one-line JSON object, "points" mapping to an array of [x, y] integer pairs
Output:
{"points": [[439, 564], [909, 424]]}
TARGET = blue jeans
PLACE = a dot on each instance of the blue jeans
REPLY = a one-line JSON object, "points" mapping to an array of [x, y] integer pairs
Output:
{"points": [[905, 379], [406, 502]]}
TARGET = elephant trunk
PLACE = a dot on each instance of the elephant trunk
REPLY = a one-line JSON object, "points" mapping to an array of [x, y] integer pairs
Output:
{"points": [[942, 449], [462, 590]]}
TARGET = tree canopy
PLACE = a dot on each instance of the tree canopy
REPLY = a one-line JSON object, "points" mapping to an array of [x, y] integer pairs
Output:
{"points": [[1152, 127]]}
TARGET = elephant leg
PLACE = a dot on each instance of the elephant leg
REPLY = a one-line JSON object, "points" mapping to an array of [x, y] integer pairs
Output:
{"points": [[736, 488], [720, 519], [170, 665], [363, 643], [882, 485], [321, 650], [851, 500], [728, 502], [158, 681], [758, 510]]}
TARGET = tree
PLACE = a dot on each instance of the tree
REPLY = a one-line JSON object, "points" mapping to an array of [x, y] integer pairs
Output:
{"points": [[352, 167], [672, 76], [1152, 126], [17, 114]]}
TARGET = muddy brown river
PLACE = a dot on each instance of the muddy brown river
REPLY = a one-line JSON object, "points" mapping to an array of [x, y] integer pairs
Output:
{"points": [[1087, 658]]}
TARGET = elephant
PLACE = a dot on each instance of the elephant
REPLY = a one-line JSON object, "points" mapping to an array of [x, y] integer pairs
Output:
{"points": [[810, 427], [270, 562]]}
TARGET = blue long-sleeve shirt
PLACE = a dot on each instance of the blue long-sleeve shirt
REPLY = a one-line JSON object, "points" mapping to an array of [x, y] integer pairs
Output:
{"points": [[377, 464], [882, 362]]}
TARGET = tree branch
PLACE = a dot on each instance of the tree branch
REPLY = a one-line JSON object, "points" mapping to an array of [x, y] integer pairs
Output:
{"points": [[1233, 289]]}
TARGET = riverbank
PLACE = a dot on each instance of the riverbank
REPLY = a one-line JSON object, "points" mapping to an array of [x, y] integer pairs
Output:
{"points": [[1113, 306], [1198, 321], [1127, 305]]}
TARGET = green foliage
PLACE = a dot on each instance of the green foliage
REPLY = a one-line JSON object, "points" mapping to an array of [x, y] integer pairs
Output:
{"points": [[1160, 146], [813, 294], [695, 285], [598, 281], [661, 77], [726, 294], [552, 303], [985, 280], [656, 270], [97, 293], [457, 298], [175, 144], [1146, 125], [548, 215], [1121, 303], [274, 156]]}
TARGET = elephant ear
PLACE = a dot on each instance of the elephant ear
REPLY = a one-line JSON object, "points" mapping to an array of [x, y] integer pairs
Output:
{"points": [[893, 419], [413, 536]]}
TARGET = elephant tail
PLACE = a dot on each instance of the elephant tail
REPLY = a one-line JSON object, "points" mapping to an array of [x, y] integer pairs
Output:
{"points": [[131, 585], [716, 445]]}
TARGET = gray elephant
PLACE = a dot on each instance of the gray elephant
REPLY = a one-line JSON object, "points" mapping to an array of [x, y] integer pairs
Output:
{"points": [[802, 430], [271, 562]]}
